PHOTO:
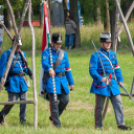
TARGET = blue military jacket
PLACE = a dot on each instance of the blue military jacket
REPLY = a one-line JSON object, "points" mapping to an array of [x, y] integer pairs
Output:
{"points": [[63, 67], [112, 71], [17, 84]]}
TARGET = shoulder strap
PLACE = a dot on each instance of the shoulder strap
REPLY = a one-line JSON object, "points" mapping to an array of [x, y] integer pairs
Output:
{"points": [[23, 58], [14, 62], [60, 57]]}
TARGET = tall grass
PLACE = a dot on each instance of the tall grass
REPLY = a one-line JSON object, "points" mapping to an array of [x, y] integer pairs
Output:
{"points": [[87, 33]]}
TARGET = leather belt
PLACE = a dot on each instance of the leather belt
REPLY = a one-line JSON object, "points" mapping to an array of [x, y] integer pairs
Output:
{"points": [[107, 75], [57, 74], [19, 74], [60, 74]]}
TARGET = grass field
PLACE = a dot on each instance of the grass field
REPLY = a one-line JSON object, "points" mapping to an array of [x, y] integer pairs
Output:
{"points": [[78, 118]]}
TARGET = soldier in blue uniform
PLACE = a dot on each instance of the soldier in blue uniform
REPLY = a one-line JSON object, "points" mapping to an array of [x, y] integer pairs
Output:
{"points": [[107, 85], [15, 86], [62, 74]]}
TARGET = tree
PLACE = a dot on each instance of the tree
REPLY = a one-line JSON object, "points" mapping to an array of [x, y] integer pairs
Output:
{"points": [[107, 17], [65, 8], [17, 7], [97, 12], [7, 18], [74, 15], [125, 6], [114, 18]]}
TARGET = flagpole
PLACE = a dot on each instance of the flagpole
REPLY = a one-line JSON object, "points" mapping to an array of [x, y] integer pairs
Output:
{"points": [[47, 43], [51, 56], [53, 78]]}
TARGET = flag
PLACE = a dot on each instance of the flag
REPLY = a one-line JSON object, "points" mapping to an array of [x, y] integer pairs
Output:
{"points": [[45, 39], [46, 29]]}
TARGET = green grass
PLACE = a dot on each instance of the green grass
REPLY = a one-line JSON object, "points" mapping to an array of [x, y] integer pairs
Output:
{"points": [[78, 118]]}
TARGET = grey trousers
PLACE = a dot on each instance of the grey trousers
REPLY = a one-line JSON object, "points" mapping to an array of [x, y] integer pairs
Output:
{"points": [[13, 97], [56, 108], [117, 106]]}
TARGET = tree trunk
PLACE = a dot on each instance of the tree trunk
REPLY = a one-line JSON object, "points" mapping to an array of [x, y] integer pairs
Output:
{"points": [[114, 18], [97, 13], [7, 18], [74, 17], [98, 17], [125, 26], [126, 5], [65, 8], [18, 13], [50, 5], [107, 17]]}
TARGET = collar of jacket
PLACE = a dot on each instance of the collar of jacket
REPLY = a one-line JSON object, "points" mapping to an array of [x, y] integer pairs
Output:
{"points": [[12, 48], [104, 51], [53, 50]]}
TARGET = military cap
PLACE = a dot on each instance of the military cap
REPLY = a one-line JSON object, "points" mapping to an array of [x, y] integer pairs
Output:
{"points": [[105, 37], [57, 38], [19, 41]]}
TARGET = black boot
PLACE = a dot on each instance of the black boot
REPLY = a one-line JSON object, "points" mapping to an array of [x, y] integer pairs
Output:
{"points": [[2, 120], [58, 126], [124, 127], [22, 121], [50, 118]]}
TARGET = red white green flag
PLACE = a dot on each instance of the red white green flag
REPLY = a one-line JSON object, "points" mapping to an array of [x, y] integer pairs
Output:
{"points": [[45, 38], [46, 28]]}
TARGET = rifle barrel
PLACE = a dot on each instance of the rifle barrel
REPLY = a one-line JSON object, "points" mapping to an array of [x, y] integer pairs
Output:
{"points": [[128, 93], [99, 58]]}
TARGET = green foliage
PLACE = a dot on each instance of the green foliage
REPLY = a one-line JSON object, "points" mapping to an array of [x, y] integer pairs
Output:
{"points": [[17, 4], [1, 2], [36, 6], [87, 10]]}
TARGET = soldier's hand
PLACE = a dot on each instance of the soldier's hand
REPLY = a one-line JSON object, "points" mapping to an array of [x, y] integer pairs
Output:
{"points": [[105, 79], [120, 84], [31, 77], [51, 72], [71, 87]]}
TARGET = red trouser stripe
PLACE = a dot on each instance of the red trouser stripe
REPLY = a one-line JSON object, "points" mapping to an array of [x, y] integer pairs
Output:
{"points": [[51, 110], [95, 109]]}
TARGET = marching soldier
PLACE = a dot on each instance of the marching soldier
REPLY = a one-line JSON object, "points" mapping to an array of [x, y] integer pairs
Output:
{"points": [[103, 86], [62, 72], [15, 85]]}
